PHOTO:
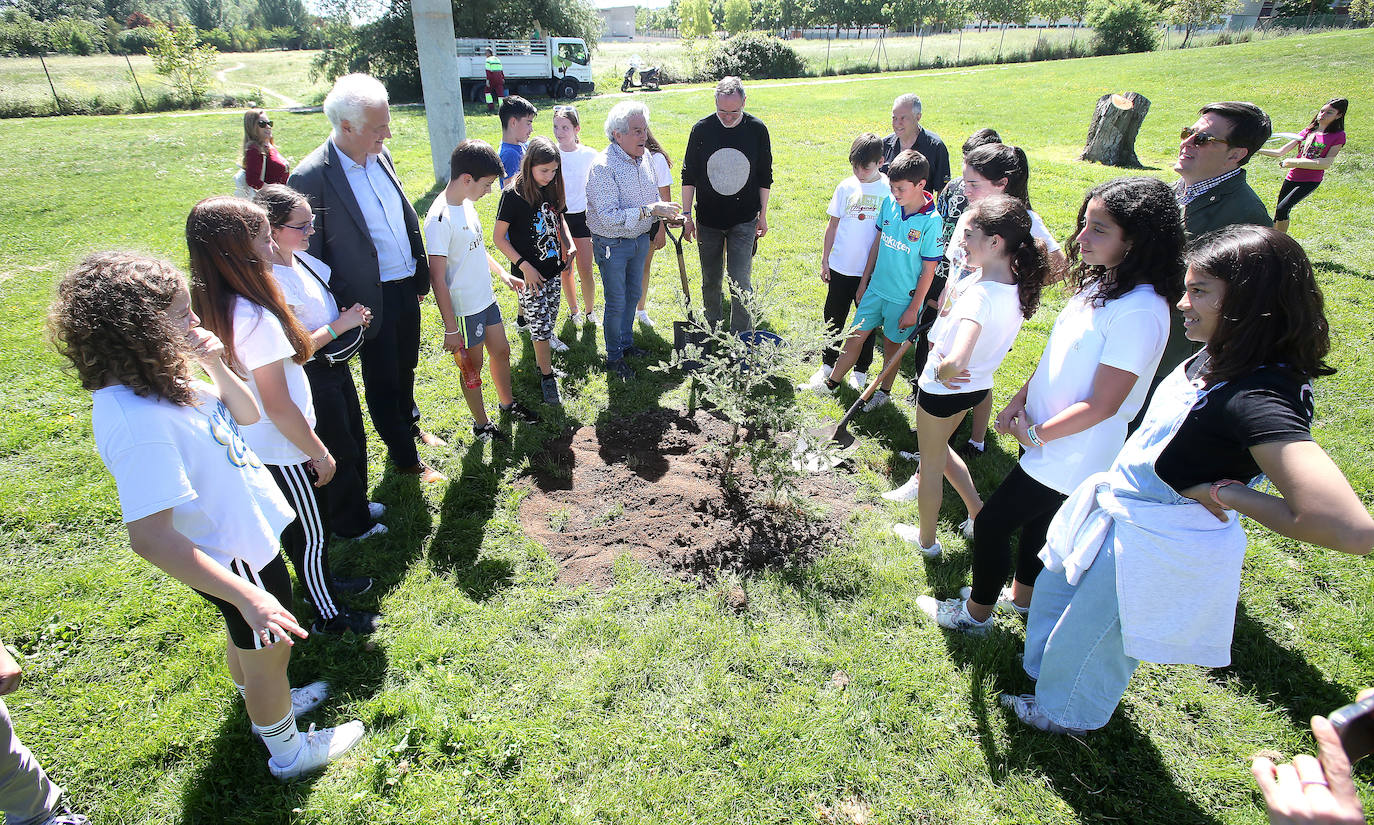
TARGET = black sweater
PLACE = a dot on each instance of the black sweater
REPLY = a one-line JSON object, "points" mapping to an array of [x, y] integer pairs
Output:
{"points": [[728, 167]]}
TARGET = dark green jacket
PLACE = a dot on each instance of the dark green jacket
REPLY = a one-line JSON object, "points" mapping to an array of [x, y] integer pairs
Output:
{"points": [[1232, 202]]}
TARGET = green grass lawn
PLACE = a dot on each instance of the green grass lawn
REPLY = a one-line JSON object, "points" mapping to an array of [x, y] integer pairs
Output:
{"points": [[494, 694]]}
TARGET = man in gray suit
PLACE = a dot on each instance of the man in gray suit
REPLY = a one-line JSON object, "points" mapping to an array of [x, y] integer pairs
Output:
{"points": [[369, 234]]}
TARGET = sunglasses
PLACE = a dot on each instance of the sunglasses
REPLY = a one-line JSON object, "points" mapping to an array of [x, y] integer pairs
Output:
{"points": [[264, 124], [1200, 138]]}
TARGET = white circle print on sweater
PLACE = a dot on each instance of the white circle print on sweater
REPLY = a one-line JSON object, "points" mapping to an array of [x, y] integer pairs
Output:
{"points": [[728, 170]]}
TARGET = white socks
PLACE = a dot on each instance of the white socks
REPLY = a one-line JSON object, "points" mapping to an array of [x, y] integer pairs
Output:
{"points": [[282, 739]]}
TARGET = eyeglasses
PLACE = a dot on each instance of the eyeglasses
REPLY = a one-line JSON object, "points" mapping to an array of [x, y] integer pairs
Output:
{"points": [[1200, 138], [264, 124], [299, 227]]}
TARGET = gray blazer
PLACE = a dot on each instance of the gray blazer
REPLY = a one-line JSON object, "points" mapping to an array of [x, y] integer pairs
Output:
{"points": [[341, 238]]}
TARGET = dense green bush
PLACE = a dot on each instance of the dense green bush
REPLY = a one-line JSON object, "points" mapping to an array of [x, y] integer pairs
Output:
{"points": [[756, 57], [136, 41], [21, 34], [1121, 26]]}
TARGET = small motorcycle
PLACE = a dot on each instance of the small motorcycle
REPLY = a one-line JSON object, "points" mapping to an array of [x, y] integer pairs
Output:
{"points": [[648, 79]]}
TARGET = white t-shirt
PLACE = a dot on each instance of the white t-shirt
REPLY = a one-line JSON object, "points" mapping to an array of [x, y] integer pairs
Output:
{"points": [[663, 174], [958, 257], [193, 461], [310, 302], [258, 341], [1129, 334], [856, 205], [456, 233], [997, 309], [573, 166]]}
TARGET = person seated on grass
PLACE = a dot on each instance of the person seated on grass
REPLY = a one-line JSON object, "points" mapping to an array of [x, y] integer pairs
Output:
{"points": [[1070, 417], [27, 794], [197, 500], [1143, 562], [461, 269], [978, 322], [897, 275], [233, 290], [337, 335], [531, 233], [849, 237]]}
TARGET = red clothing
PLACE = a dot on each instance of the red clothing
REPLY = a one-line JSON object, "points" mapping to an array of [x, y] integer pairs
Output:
{"points": [[496, 84], [1315, 146], [274, 171]]}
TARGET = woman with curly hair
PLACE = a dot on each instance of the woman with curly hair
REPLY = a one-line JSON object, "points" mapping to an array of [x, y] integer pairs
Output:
{"points": [[1070, 417], [1143, 562], [196, 499], [233, 291], [979, 319]]}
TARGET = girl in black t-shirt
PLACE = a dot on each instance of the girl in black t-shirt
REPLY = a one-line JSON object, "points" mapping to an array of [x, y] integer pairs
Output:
{"points": [[531, 233]]}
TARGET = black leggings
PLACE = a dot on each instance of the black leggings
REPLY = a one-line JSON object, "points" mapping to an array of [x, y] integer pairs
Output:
{"points": [[1290, 193], [839, 299], [1022, 502]]}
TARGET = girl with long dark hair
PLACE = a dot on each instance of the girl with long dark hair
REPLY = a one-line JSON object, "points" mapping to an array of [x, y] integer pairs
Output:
{"points": [[1317, 147], [1143, 562]]}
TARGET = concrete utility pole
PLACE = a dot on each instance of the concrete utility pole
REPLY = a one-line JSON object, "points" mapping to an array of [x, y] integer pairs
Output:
{"points": [[439, 80]]}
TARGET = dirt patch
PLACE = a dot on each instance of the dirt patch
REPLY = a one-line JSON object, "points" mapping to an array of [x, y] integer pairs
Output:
{"points": [[646, 486]]}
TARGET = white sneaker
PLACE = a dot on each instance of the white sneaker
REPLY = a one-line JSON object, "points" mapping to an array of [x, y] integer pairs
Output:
{"points": [[877, 400], [1028, 711], [556, 345], [642, 316], [578, 319], [909, 455], [952, 614], [308, 697], [967, 529], [593, 319], [817, 380], [858, 380], [1005, 602], [908, 491], [911, 534], [376, 509], [377, 529], [319, 749]]}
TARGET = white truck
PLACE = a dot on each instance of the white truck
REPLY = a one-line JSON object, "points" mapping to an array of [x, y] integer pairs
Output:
{"points": [[558, 66]]}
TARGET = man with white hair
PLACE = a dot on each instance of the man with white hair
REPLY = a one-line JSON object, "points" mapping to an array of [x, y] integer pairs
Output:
{"points": [[727, 171], [907, 133], [368, 233], [622, 206]]}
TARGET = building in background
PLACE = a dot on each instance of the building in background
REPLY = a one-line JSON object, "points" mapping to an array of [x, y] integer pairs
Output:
{"points": [[617, 22]]}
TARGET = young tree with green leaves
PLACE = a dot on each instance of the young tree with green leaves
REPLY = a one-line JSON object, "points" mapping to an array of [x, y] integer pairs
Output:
{"points": [[1194, 14], [694, 19], [187, 63], [1362, 12], [737, 16]]}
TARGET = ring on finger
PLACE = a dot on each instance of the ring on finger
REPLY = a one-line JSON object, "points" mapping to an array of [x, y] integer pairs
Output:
{"points": [[1321, 782]]}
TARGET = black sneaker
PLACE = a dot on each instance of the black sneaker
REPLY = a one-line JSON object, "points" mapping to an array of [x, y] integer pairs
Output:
{"points": [[636, 352], [489, 432], [969, 452], [520, 412], [345, 620], [619, 368], [549, 386], [353, 586]]}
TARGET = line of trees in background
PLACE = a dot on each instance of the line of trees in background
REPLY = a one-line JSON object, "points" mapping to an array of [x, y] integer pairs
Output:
{"points": [[29, 27]]}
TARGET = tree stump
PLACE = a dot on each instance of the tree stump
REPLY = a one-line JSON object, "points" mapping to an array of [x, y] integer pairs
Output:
{"points": [[1116, 122]]}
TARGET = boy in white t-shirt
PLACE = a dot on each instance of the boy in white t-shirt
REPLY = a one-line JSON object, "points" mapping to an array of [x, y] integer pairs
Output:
{"points": [[849, 237], [460, 269]]}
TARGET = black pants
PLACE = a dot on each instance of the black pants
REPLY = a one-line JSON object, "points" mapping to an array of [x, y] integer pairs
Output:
{"points": [[1290, 192], [339, 424], [389, 362], [306, 540], [839, 299], [1020, 502]]}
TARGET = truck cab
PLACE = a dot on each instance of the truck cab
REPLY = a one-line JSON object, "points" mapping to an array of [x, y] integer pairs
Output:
{"points": [[558, 66]]}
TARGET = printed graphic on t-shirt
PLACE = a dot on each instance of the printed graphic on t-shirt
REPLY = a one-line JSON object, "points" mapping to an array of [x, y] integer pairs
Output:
{"points": [[225, 431], [728, 170], [546, 232], [863, 207]]}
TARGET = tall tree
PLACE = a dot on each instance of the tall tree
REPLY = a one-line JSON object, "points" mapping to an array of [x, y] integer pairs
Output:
{"points": [[1194, 14], [694, 19], [737, 16]]}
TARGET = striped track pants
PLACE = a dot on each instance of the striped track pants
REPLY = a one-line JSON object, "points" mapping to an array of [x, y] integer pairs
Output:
{"points": [[306, 540]]}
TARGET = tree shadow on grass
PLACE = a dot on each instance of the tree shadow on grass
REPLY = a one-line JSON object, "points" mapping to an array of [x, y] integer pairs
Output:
{"points": [[468, 505], [1342, 269]]}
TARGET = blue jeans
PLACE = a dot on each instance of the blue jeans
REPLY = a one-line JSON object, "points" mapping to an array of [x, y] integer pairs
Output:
{"points": [[621, 263], [1073, 644], [720, 250]]}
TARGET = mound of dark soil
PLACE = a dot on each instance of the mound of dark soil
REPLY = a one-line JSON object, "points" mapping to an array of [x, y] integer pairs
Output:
{"points": [[647, 485]]}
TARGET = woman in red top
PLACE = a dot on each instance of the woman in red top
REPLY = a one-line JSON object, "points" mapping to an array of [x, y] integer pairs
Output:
{"points": [[262, 163], [1317, 147]]}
